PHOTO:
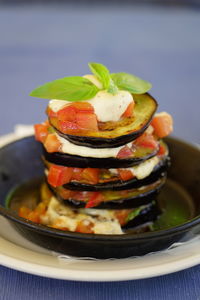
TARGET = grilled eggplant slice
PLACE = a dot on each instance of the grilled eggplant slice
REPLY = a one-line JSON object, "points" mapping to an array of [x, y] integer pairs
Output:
{"points": [[68, 160], [148, 214], [115, 199], [115, 134], [158, 172]]}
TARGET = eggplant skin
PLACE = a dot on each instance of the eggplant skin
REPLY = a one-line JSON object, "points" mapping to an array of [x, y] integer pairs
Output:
{"points": [[69, 160], [123, 203], [148, 214], [158, 172], [97, 142], [145, 107]]}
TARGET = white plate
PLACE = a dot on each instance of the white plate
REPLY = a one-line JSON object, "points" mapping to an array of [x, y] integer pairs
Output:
{"points": [[18, 253]]}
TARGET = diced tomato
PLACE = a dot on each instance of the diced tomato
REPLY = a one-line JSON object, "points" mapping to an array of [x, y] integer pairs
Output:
{"points": [[34, 216], [77, 173], [74, 117], [24, 212], [125, 174], [51, 113], [84, 226], [66, 126], [52, 144], [65, 194], [161, 150], [41, 132], [129, 111], [162, 124], [83, 196], [146, 141], [41, 208], [83, 107], [68, 113], [90, 175], [86, 121], [59, 175], [125, 152], [122, 215], [95, 199]]}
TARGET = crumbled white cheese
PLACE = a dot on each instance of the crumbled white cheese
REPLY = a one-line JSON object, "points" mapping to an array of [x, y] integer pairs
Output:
{"points": [[107, 227], [63, 216]]}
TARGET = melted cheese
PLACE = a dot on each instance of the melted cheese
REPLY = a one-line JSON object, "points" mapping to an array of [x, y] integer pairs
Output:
{"points": [[142, 170], [62, 216], [70, 148]]}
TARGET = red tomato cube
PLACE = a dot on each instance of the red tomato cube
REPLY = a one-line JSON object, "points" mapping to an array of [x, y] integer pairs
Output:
{"points": [[65, 194], [162, 124], [122, 215], [77, 173], [59, 175], [52, 144], [68, 113], [86, 121], [83, 107], [125, 152], [125, 174], [146, 141], [84, 226], [162, 150], [129, 111], [95, 199], [67, 126], [41, 132], [90, 175]]}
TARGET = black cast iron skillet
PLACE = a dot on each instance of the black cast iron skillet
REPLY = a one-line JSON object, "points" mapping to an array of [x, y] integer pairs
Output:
{"points": [[20, 161]]}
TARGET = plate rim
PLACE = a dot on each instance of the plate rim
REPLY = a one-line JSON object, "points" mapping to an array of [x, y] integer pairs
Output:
{"points": [[24, 265]]}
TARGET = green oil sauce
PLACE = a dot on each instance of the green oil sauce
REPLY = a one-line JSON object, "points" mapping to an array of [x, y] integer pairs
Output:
{"points": [[176, 205]]}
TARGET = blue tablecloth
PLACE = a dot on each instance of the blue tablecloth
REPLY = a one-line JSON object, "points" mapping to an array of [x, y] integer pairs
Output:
{"points": [[39, 43], [183, 285]]}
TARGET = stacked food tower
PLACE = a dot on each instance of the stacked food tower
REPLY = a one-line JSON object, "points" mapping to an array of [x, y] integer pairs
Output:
{"points": [[104, 159]]}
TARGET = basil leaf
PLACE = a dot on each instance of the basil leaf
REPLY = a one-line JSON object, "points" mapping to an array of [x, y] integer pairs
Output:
{"points": [[103, 75], [131, 83], [101, 72], [112, 88], [73, 88]]}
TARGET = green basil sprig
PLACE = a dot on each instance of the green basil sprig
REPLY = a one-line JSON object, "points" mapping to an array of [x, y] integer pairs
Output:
{"points": [[73, 88], [77, 88], [103, 74], [131, 83]]}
